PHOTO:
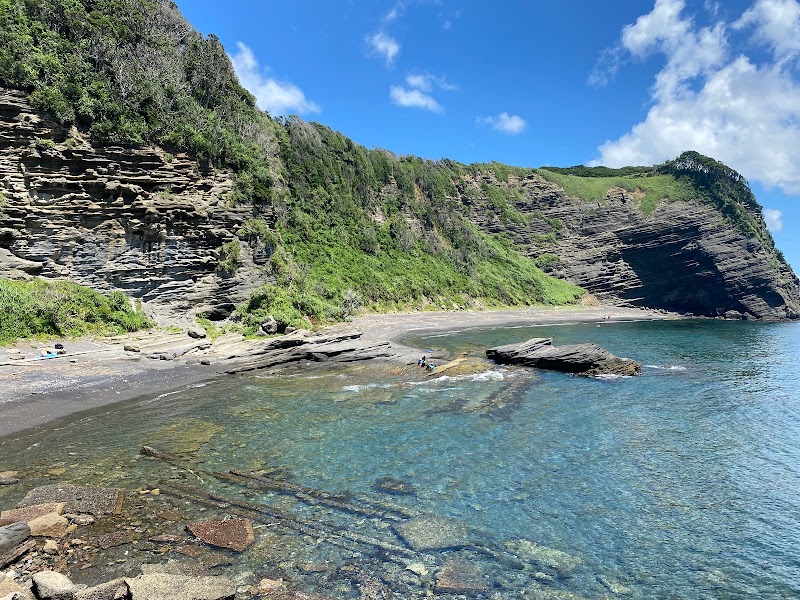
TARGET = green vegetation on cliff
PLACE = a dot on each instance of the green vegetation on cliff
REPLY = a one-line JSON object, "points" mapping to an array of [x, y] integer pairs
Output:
{"points": [[61, 308], [339, 226]]}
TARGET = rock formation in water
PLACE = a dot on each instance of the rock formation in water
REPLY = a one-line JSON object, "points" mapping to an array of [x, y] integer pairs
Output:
{"points": [[582, 359]]}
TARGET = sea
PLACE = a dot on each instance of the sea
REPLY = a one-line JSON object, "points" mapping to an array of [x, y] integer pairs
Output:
{"points": [[504, 482]]}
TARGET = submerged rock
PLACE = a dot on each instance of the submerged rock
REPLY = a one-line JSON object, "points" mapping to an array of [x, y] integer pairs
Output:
{"points": [[391, 485], [459, 576], [78, 498], [433, 533], [548, 557], [583, 359], [234, 534]]}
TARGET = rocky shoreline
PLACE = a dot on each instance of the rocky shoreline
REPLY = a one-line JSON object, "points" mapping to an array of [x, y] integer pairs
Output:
{"points": [[57, 531]]}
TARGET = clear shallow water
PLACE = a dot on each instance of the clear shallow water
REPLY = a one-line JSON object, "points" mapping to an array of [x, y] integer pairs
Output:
{"points": [[684, 482]]}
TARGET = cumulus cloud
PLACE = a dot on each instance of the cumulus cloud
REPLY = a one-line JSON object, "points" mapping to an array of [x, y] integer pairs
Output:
{"points": [[384, 45], [504, 123], [417, 91], [275, 96], [413, 98], [774, 219], [427, 82], [707, 98]]}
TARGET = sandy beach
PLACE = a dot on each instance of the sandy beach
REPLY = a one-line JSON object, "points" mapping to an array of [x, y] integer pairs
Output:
{"points": [[96, 373]]}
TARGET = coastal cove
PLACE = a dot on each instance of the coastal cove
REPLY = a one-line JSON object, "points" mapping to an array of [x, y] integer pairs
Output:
{"points": [[678, 482]]}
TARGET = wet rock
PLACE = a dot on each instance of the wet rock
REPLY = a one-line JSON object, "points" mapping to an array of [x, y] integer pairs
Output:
{"points": [[78, 499], [49, 525], [50, 585], [28, 513], [265, 586], [234, 534], [113, 590], [433, 533], [113, 539], [583, 359], [390, 485], [549, 557], [167, 539], [460, 576]]}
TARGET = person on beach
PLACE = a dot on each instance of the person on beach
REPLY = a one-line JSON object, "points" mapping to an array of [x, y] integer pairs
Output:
{"points": [[422, 361]]}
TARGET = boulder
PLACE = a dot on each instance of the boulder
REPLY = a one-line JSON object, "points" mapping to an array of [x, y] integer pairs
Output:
{"points": [[49, 525], [13, 535], [160, 586], [582, 359], [113, 590], [269, 326], [10, 589], [234, 534], [197, 333], [50, 585]]}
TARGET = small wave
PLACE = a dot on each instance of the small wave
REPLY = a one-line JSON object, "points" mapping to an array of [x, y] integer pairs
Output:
{"points": [[367, 386], [610, 377], [490, 375], [667, 368]]}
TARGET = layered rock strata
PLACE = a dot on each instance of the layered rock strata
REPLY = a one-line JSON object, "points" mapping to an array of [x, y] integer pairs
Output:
{"points": [[683, 257], [582, 359], [114, 217]]}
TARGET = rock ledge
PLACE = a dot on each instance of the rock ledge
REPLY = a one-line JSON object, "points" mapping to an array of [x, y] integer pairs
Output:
{"points": [[582, 359]]}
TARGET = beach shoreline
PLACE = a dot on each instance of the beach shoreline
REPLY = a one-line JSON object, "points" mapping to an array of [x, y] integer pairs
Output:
{"points": [[98, 373]]}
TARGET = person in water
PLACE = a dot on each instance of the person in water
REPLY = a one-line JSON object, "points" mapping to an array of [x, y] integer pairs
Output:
{"points": [[422, 361]]}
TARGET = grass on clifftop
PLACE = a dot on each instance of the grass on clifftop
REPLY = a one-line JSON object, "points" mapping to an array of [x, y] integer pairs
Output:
{"points": [[651, 187], [62, 308]]}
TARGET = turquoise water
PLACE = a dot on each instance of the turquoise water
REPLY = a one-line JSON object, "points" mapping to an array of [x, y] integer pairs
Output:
{"points": [[681, 483]]}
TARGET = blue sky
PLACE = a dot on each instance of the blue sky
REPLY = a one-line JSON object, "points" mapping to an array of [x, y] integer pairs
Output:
{"points": [[535, 83]]}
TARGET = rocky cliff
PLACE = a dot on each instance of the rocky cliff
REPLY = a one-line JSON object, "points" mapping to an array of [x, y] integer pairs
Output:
{"points": [[684, 256], [130, 218], [154, 225]]}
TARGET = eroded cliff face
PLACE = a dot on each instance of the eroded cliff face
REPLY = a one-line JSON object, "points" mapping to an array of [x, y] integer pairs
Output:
{"points": [[682, 257], [116, 218], [135, 219]]}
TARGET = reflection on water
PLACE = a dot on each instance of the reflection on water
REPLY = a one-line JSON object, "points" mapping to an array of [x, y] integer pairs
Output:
{"points": [[679, 483]]}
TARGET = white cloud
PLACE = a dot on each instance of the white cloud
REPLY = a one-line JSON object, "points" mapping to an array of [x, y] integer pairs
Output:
{"points": [[275, 96], [413, 98], [777, 24], [708, 99], [384, 45], [426, 82], [774, 219], [504, 123]]}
